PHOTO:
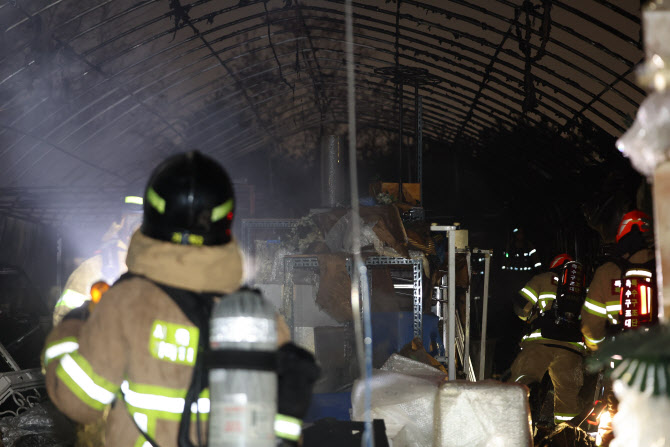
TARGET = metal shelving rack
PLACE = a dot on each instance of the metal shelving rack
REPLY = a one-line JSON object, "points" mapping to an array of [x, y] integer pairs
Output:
{"points": [[249, 225], [303, 261], [454, 336]]}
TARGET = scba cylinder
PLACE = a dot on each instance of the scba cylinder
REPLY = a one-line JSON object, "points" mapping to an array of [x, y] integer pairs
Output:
{"points": [[243, 378]]}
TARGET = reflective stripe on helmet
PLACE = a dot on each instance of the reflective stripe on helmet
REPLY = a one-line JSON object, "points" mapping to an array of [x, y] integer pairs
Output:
{"points": [[221, 211], [156, 201], [133, 200], [636, 217], [560, 260]]}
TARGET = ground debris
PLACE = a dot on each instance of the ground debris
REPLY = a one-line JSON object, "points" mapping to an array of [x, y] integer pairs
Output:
{"points": [[40, 426], [565, 435]]}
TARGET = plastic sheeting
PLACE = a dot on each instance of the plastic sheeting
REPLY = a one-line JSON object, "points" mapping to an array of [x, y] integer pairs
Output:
{"points": [[641, 419], [421, 409], [646, 142], [482, 414], [340, 239], [403, 394]]}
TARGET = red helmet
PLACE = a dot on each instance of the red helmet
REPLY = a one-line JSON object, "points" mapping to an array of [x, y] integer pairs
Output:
{"points": [[560, 260], [642, 220]]}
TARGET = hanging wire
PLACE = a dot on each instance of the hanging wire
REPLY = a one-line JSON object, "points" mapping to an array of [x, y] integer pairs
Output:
{"points": [[363, 335]]}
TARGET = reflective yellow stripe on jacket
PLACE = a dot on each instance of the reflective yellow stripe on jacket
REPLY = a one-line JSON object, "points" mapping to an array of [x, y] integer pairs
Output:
{"points": [[529, 294], [94, 390], [59, 348], [72, 299], [546, 299], [595, 308], [537, 336]]}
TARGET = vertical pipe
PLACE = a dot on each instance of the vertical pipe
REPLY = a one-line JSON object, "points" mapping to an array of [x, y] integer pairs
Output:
{"points": [[662, 235], [443, 304], [333, 172], [466, 350], [452, 304], [288, 295], [419, 142], [485, 312], [359, 280], [400, 123], [59, 263]]}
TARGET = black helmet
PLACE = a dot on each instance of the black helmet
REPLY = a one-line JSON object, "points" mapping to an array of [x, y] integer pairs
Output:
{"points": [[189, 200]]}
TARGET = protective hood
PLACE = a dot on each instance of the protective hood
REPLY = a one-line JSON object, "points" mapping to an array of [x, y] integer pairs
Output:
{"points": [[215, 268]]}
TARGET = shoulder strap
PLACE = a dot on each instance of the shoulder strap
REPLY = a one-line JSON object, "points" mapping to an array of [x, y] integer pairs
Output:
{"points": [[622, 263], [625, 265]]}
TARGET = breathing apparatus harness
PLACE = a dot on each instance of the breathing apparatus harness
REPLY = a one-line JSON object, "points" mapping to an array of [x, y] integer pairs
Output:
{"points": [[296, 368]]}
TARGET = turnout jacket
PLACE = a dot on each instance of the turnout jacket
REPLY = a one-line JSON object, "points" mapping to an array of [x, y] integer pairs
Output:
{"points": [[137, 349], [602, 304], [78, 286], [540, 291]]}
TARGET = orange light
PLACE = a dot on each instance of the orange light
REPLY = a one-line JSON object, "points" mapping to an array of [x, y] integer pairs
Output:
{"points": [[643, 292], [97, 290], [604, 427]]}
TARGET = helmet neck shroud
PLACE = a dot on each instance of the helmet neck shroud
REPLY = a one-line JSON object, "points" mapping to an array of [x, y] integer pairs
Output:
{"points": [[632, 242]]}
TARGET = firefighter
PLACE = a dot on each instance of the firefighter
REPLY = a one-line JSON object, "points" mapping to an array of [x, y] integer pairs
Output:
{"points": [[601, 311], [107, 264], [124, 353], [539, 354]]}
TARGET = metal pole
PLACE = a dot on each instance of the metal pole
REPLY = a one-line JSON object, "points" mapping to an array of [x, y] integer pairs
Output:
{"points": [[359, 282], [485, 312], [452, 303], [400, 101], [449, 339], [419, 142], [442, 304], [59, 264], [288, 295], [7, 357], [661, 190], [466, 351]]}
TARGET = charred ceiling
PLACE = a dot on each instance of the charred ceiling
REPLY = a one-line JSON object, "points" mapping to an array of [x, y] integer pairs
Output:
{"points": [[94, 92]]}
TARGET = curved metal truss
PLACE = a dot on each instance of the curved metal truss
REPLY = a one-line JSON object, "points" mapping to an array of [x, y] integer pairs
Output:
{"points": [[94, 92]]}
